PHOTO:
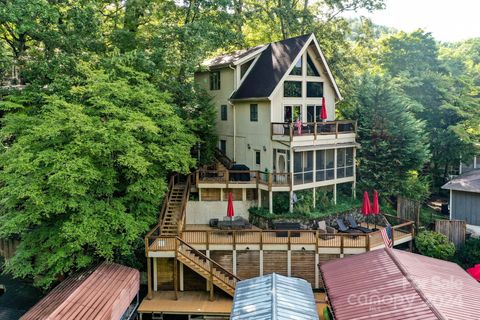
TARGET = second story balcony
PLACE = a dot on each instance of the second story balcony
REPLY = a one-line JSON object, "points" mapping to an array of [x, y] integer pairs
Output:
{"points": [[342, 130]]}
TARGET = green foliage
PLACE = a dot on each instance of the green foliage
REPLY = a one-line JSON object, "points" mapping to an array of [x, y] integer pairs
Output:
{"points": [[393, 141], [83, 173], [434, 244], [468, 255], [344, 204]]}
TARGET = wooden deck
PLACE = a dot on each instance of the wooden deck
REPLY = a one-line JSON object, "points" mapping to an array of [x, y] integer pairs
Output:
{"points": [[189, 302], [203, 237]]}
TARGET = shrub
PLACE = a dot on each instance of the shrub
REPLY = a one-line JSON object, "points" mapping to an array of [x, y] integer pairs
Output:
{"points": [[435, 245], [469, 254]]}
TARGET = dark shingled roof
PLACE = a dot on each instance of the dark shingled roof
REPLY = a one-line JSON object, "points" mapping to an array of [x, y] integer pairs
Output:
{"points": [[229, 58], [270, 67], [469, 182]]}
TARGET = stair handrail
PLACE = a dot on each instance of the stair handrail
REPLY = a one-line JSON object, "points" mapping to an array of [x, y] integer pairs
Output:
{"points": [[166, 198], [217, 266], [183, 208]]}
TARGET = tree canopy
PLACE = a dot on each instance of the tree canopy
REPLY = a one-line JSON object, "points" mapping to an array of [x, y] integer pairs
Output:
{"points": [[110, 109]]}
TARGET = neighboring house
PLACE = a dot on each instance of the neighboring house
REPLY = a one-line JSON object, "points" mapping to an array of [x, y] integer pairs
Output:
{"points": [[269, 101], [465, 198]]}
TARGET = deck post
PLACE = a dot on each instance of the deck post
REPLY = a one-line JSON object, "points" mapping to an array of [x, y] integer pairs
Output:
{"points": [[289, 262], [182, 284], [317, 276], [335, 193], [314, 197], [149, 279], [212, 296], [367, 244], [261, 262], [234, 261], [155, 277], [270, 201], [175, 275]]}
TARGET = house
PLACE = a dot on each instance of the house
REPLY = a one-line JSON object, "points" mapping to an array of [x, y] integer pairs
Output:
{"points": [[394, 284], [272, 139], [465, 199], [269, 101]]}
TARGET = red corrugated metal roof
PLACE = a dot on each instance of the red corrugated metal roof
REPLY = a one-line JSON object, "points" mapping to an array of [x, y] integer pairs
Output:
{"points": [[104, 292], [394, 284]]}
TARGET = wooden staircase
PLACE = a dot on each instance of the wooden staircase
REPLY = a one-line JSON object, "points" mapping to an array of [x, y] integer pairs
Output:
{"points": [[171, 226], [206, 267], [172, 214]]}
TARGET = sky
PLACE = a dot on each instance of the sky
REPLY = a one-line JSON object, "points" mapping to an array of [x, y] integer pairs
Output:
{"points": [[447, 20]]}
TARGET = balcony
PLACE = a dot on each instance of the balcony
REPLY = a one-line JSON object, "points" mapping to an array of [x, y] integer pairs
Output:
{"points": [[309, 131]]}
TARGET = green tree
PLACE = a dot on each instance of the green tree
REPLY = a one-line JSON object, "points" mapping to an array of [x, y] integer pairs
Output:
{"points": [[394, 145], [83, 173], [446, 99]]}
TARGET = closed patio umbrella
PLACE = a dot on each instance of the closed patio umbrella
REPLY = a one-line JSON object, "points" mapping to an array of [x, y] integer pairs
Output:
{"points": [[323, 113], [375, 208], [230, 212], [366, 209]]}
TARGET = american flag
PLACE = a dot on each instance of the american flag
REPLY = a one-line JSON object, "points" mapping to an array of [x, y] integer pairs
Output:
{"points": [[387, 236]]}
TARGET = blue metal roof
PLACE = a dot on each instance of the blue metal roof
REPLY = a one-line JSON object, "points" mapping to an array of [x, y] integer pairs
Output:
{"points": [[274, 297]]}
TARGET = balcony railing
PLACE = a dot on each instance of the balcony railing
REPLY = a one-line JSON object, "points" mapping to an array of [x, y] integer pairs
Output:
{"points": [[402, 229], [230, 177], [291, 129]]}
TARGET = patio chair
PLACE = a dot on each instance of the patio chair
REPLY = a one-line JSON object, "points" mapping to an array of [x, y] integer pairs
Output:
{"points": [[323, 229], [343, 228], [354, 225]]}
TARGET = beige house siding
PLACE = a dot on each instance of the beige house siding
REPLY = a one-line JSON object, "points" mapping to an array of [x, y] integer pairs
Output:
{"points": [[219, 98]]}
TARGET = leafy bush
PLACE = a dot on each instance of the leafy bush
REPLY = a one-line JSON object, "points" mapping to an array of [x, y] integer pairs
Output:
{"points": [[469, 254], [435, 245]]}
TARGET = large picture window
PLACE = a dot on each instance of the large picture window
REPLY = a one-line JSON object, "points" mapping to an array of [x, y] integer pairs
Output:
{"points": [[215, 80], [297, 69], [292, 89], [311, 69], [314, 89]]}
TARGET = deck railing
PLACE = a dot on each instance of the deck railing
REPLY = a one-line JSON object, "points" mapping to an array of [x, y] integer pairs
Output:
{"points": [[231, 177], [291, 129], [207, 238]]}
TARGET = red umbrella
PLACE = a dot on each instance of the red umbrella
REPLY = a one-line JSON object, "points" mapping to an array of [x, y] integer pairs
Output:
{"points": [[323, 114], [475, 272], [230, 212], [366, 210], [376, 208]]}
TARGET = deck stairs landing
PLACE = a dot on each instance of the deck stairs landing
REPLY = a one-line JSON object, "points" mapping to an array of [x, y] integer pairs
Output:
{"points": [[171, 225]]}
